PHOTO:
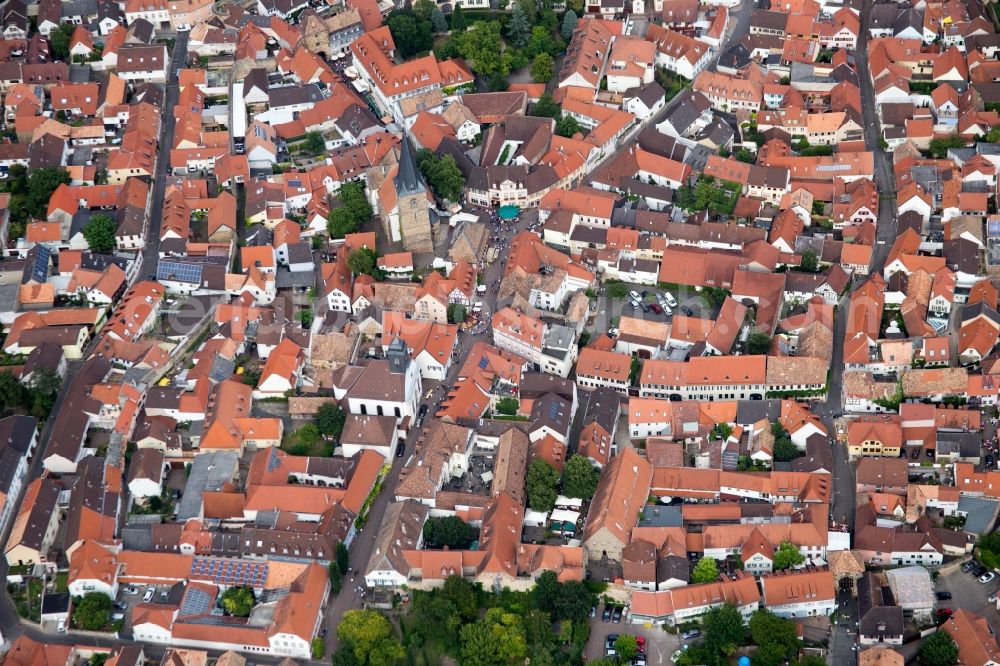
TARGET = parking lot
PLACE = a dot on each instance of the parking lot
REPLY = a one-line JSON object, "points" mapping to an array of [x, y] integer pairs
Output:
{"points": [[968, 593], [688, 300], [659, 644], [127, 599]]}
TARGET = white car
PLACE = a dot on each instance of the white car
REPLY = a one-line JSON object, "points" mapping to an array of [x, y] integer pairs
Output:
{"points": [[670, 300], [987, 577], [61, 626], [634, 295], [149, 594]]}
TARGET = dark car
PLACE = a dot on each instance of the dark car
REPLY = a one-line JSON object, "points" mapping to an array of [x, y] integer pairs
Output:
{"points": [[616, 616], [686, 310], [655, 307], [645, 294], [645, 308], [423, 410], [916, 454], [606, 615], [979, 571], [969, 566], [610, 640], [400, 450], [943, 596], [989, 460]]}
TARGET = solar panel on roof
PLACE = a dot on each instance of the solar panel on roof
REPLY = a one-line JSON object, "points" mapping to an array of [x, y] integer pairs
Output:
{"points": [[179, 271], [483, 363], [993, 227], [553, 410], [40, 269]]}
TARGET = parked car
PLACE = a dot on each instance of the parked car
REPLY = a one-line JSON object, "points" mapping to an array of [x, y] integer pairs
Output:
{"points": [[640, 642], [656, 307], [916, 454], [943, 596], [149, 594], [989, 460], [987, 577], [610, 639], [670, 299], [640, 660], [616, 616], [401, 450], [992, 598], [593, 611], [979, 571], [613, 332], [686, 310], [606, 615], [692, 633], [129, 589], [969, 566], [423, 410], [61, 626], [634, 295]]}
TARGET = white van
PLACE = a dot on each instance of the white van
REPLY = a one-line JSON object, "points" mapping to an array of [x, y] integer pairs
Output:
{"points": [[670, 300]]}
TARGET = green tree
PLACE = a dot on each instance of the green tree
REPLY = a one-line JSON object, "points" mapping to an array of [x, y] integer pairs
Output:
{"points": [[497, 639], [939, 147], [714, 296], [449, 532], [785, 450], [541, 485], [42, 392], [938, 649], [423, 9], [433, 616], [442, 174], [456, 313], [458, 22], [339, 223], [787, 555], [91, 611], [369, 636], [12, 392], [463, 594], [308, 434], [810, 262], [363, 261], [723, 630], [567, 126], [518, 28], [411, 35], [508, 405], [314, 144], [100, 233], [775, 637], [238, 601], [758, 343], [343, 556], [330, 420], [59, 40], [579, 478], [483, 47], [626, 647], [546, 107], [745, 155], [542, 68], [41, 184], [542, 41], [438, 21], [336, 577], [569, 25], [706, 571]]}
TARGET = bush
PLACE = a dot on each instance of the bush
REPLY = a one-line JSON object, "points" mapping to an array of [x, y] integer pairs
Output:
{"points": [[91, 612]]}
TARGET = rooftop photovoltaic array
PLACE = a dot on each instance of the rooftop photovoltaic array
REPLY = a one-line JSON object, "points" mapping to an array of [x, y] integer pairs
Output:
{"points": [[178, 271], [230, 572]]}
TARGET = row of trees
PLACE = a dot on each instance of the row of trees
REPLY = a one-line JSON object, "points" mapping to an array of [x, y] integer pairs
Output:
{"points": [[496, 48], [515, 625], [579, 479]]}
